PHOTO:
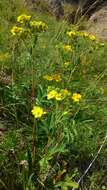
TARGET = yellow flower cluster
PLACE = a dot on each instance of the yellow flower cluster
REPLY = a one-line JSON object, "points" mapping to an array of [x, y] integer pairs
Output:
{"points": [[92, 37], [67, 63], [58, 94], [32, 26], [83, 34], [76, 97], [23, 18], [87, 35], [38, 25], [55, 77], [67, 48], [38, 112], [17, 31], [73, 34]]}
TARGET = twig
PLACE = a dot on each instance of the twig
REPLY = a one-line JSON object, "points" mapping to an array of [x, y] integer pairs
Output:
{"points": [[96, 156]]}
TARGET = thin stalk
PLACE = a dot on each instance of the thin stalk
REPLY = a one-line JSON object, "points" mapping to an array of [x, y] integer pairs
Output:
{"points": [[13, 64], [33, 81], [34, 143]]}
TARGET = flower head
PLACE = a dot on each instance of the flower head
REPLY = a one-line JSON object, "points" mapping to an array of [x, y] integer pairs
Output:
{"points": [[67, 48], [76, 97], [16, 31], [67, 63], [83, 34], [52, 94], [72, 34], [47, 77], [92, 37], [87, 35], [39, 26], [65, 92], [23, 18], [38, 112], [55, 77], [59, 96]]}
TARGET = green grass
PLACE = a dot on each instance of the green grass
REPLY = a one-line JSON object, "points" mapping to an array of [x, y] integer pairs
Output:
{"points": [[51, 152]]}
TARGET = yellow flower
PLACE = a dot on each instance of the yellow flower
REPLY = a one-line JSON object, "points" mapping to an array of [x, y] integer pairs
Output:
{"points": [[47, 77], [67, 48], [76, 97], [59, 96], [92, 37], [55, 77], [23, 18], [83, 34], [65, 92], [67, 63], [87, 35], [16, 31], [52, 94], [38, 112], [72, 34], [39, 26]]}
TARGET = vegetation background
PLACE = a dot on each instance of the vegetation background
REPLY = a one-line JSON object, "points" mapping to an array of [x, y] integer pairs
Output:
{"points": [[53, 113]]}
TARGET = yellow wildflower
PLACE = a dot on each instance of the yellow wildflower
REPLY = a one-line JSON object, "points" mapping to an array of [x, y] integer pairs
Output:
{"points": [[39, 26], [58, 96], [55, 77], [67, 48], [92, 37], [76, 97], [72, 34], [83, 34], [38, 112], [65, 92], [47, 77], [67, 63], [52, 94], [16, 31], [23, 18]]}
